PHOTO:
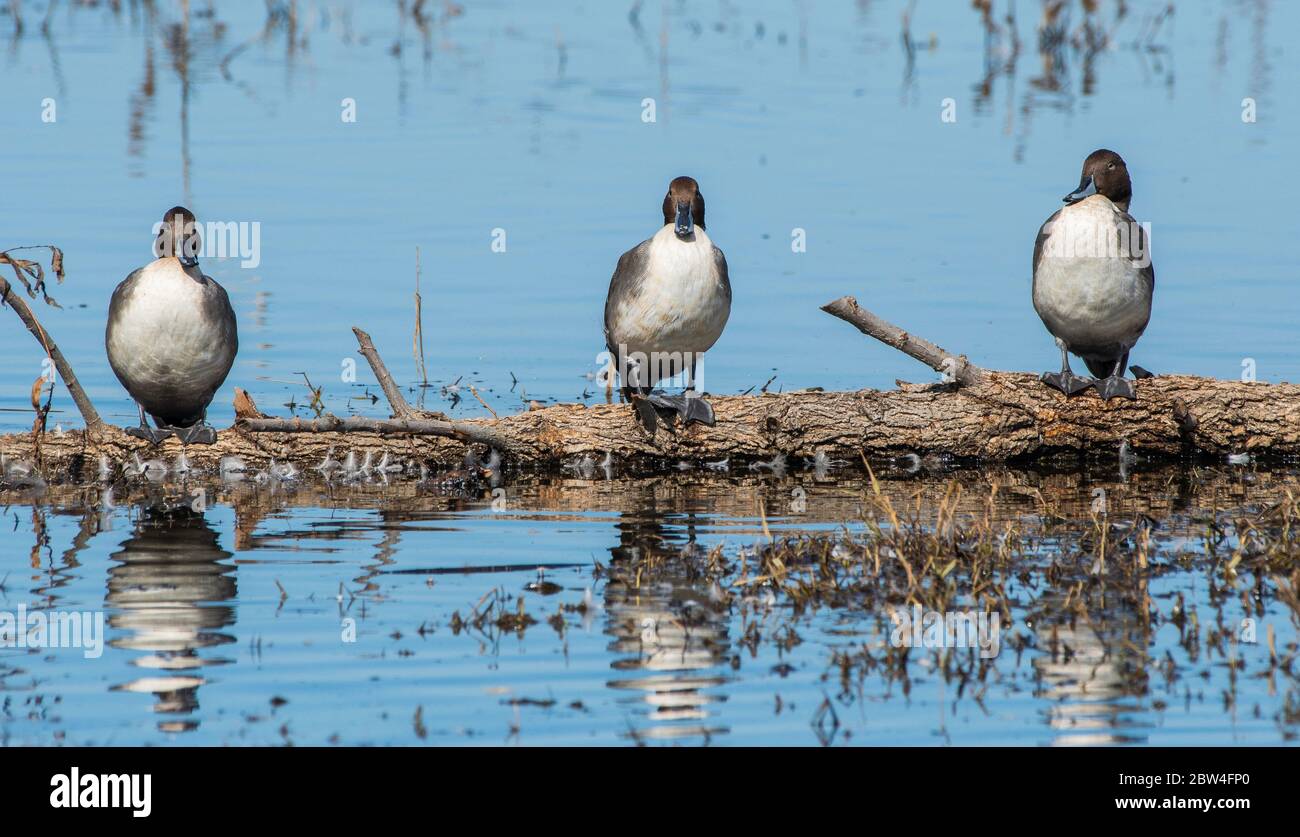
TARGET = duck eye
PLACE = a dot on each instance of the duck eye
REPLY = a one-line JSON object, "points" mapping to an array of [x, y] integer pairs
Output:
{"points": [[1110, 165]]}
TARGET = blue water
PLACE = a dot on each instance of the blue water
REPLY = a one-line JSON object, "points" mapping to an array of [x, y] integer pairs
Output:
{"points": [[308, 615], [527, 118]]}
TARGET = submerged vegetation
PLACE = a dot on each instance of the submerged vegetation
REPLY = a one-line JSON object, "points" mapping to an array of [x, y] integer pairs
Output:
{"points": [[1084, 600]]}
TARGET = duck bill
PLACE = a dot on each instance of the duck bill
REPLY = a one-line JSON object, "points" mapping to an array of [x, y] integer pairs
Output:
{"points": [[1086, 188], [685, 224], [190, 246]]}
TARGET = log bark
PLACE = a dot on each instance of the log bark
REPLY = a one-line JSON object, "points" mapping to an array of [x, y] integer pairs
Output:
{"points": [[980, 415]]}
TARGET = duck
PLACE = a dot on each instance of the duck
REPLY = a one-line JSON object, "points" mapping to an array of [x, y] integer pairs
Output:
{"points": [[1094, 280], [172, 336], [668, 303]]}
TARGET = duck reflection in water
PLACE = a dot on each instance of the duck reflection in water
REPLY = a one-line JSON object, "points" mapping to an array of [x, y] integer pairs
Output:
{"points": [[166, 598], [1093, 676], [669, 639]]}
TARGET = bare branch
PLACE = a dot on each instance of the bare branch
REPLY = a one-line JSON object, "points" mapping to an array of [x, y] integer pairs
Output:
{"points": [[935, 357], [15, 301], [461, 431], [401, 409]]}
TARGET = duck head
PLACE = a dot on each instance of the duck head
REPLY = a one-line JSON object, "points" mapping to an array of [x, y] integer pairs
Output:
{"points": [[684, 206], [179, 237], [1104, 173]]}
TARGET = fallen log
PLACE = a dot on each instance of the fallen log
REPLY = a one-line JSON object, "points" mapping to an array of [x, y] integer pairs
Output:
{"points": [[973, 414]]}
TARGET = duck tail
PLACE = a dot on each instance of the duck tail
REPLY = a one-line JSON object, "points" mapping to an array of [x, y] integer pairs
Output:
{"points": [[1100, 368]]}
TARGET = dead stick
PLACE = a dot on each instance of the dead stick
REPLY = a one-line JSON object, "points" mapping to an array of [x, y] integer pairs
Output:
{"points": [[935, 357], [401, 409], [481, 401], [359, 424], [88, 413]]}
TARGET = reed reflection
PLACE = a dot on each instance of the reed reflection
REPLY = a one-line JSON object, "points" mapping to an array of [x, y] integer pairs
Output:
{"points": [[1066, 36], [167, 598]]}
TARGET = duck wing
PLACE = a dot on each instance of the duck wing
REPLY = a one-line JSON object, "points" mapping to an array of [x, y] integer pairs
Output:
{"points": [[1043, 232], [625, 284], [720, 261]]}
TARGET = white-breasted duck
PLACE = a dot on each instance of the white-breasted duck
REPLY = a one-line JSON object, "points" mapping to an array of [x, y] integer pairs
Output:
{"points": [[1094, 280], [172, 336], [669, 300]]}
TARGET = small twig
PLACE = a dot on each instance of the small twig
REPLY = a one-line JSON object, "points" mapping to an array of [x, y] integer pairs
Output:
{"points": [[481, 401], [935, 357], [401, 409], [88, 413]]}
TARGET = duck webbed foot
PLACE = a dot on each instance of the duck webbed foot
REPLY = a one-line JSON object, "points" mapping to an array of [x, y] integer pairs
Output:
{"points": [[151, 435], [200, 433], [154, 437], [689, 407], [1116, 387], [1067, 382], [645, 414], [698, 410], [1140, 373]]}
